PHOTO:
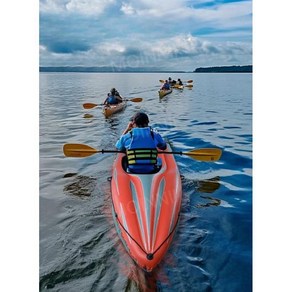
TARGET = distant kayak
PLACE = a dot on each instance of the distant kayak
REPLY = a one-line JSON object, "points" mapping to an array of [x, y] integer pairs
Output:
{"points": [[177, 86], [146, 209], [109, 110], [163, 92]]}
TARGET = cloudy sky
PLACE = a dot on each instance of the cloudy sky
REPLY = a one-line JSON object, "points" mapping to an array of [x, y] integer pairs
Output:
{"points": [[169, 35]]}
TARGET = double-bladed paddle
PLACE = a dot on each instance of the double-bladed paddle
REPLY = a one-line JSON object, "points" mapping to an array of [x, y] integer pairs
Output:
{"points": [[89, 105], [82, 150]]}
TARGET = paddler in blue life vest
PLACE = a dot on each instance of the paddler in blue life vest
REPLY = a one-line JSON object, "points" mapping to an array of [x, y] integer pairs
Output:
{"points": [[141, 142], [165, 86], [113, 97]]}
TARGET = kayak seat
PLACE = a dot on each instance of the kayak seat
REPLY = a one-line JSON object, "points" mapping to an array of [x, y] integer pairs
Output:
{"points": [[155, 167]]}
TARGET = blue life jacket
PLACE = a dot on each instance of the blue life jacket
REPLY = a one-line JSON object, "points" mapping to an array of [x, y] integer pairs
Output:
{"points": [[166, 86], [112, 99], [142, 151]]}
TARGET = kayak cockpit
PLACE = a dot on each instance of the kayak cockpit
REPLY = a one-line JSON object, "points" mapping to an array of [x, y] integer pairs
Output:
{"points": [[125, 166]]}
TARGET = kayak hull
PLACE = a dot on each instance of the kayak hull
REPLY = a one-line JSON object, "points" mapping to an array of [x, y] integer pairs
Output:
{"points": [[163, 93], [146, 209], [109, 110], [177, 86]]}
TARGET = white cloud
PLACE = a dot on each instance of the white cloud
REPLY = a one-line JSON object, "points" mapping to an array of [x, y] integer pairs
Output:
{"points": [[109, 48], [181, 44], [223, 15], [52, 6], [145, 32], [227, 14], [127, 9], [88, 7]]}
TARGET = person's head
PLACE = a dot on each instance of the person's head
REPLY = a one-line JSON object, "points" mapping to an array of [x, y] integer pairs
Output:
{"points": [[140, 119], [178, 79], [166, 81], [113, 91], [169, 78]]}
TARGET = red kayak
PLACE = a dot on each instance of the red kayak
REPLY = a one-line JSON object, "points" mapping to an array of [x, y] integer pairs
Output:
{"points": [[146, 209]]}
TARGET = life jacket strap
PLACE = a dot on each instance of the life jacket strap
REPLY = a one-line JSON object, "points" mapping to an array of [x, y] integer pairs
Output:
{"points": [[142, 156]]}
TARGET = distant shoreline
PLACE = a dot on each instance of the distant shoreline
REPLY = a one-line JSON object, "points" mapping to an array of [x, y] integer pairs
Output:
{"points": [[225, 69], [79, 69], [104, 70]]}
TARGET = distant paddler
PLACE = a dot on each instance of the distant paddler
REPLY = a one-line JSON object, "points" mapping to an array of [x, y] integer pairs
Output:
{"points": [[113, 97], [165, 86]]}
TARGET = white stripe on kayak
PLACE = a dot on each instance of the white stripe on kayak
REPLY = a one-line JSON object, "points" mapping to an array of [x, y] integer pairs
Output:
{"points": [[125, 222], [158, 209], [138, 209]]}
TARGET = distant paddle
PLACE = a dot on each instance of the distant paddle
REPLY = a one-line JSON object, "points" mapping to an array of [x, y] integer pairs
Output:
{"points": [[82, 150], [89, 105]]}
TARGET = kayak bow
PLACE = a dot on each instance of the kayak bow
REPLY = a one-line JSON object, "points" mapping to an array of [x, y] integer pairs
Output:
{"points": [[109, 110], [163, 92]]}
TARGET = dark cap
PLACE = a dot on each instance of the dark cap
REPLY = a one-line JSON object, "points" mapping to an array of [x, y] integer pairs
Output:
{"points": [[140, 119]]}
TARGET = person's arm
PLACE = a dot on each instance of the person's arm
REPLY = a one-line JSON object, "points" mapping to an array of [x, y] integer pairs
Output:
{"points": [[161, 144], [129, 128], [105, 101], [121, 143]]}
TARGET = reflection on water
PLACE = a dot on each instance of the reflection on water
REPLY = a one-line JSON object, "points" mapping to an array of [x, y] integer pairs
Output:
{"points": [[209, 185], [81, 186], [88, 116], [214, 202]]}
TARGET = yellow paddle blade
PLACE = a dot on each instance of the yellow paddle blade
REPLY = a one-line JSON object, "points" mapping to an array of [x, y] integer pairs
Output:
{"points": [[205, 154], [135, 99], [189, 81], [189, 85], [78, 150], [89, 105]]}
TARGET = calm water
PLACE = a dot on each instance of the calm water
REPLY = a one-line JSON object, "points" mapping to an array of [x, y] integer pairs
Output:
{"points": [[212, 248]]}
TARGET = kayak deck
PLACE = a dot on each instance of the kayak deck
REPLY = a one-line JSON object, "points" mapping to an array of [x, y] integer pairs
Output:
{"points": [[163, 92], [109, 110], [177, 86], [146, 209]]}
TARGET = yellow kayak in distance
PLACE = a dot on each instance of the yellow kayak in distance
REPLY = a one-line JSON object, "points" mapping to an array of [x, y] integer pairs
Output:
{"points": [[163, 92], [177, 86], [109, 110]]}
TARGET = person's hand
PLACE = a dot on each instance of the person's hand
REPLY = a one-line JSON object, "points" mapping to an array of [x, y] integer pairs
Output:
{"points": [[129, 127]]}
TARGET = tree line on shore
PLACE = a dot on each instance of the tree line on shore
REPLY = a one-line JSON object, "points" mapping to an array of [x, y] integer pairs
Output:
{"points": [[225, 69]]}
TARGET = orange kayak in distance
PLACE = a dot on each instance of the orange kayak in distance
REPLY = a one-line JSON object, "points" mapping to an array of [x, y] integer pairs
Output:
{"points": [[146, 209], [109, 110]]}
